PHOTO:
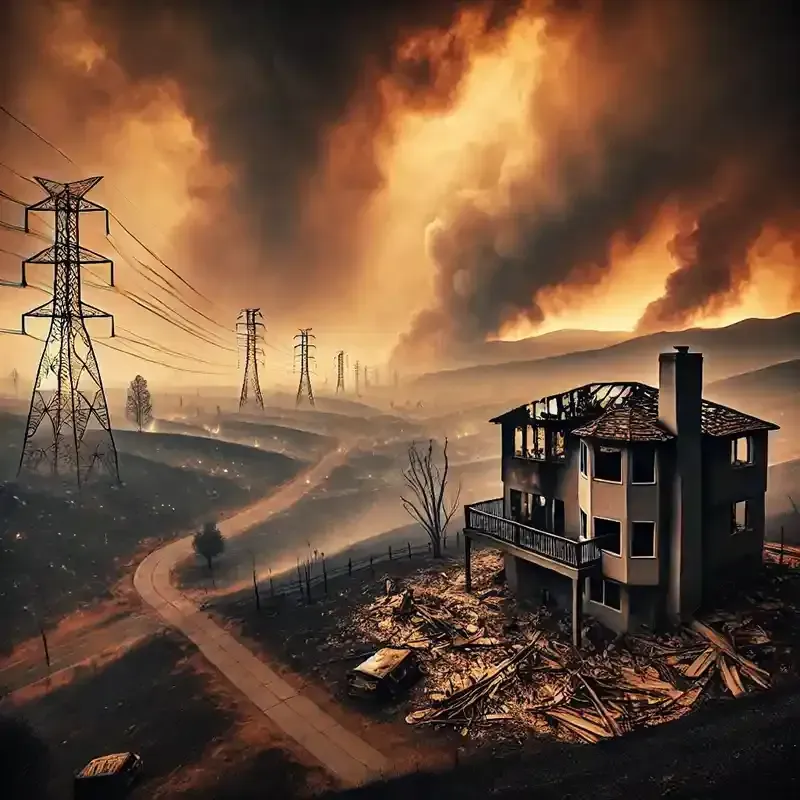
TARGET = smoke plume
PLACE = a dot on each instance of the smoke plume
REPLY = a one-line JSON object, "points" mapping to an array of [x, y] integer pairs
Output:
{"points": [[435, 172]]}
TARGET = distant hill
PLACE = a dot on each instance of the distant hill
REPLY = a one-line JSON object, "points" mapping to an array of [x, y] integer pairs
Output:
{"points": [[747, 345], [782, 377], [783, 482], [770, 393], [547, 345]]}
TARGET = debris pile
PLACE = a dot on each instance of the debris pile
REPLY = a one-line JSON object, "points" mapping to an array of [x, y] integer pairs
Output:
{"points": [[491, 666]]}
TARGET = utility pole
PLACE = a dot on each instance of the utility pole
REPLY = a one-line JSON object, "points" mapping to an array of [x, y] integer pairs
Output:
{"points": [[250, 326], [366, 378], [340, 372], [303, 350], [357, 371], [68, 389]]}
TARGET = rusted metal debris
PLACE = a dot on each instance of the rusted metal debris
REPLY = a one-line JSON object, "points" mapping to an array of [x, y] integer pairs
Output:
{"points": [[492, 667]]}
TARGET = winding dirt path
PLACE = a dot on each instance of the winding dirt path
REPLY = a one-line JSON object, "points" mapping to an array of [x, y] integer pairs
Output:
{"points": [[347, 756]]}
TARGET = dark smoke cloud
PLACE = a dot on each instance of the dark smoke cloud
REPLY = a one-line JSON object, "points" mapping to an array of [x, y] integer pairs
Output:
{"points": [[718, 94]]}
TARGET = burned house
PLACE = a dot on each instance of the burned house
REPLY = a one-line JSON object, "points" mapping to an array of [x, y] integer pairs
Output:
{"points": [[627, 502]]}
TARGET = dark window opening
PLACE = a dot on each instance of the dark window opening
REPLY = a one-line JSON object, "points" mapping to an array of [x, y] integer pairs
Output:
{"points": [[609, 530], [584, 458], [740, 517], [742, 451], [558, 517], [584, 525], [643, 465], [643, 539], [607, 464], [607, 593]]}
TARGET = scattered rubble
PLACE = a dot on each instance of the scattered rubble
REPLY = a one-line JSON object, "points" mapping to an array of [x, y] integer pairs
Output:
{"points": [[493, 668]]}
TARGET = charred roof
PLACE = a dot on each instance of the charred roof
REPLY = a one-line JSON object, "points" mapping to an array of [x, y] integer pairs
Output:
{"points": [[592, 403]]}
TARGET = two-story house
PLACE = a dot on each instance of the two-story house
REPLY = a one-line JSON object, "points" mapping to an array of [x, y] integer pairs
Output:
{"points": [[627, 502]]}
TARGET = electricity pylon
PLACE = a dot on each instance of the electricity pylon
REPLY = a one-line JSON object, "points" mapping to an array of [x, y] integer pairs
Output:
{"points": [[303, 353], [340, 372], [357, 371], [251, 327], [366, 378], [68, 389]]}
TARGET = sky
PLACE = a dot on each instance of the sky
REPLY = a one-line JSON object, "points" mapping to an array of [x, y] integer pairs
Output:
{"points": [[403, 177]]}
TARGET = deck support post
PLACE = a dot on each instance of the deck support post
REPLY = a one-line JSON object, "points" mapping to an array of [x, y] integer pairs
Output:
{"points": [[467, 562], [577, 610]]}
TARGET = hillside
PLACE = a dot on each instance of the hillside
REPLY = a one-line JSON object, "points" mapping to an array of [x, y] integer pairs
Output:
{"points": [[783, 483], [747, 345], [777, 378], [547, 345]]}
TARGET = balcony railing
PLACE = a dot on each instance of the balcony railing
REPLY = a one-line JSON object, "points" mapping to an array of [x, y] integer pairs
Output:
{"points": [[487, 518]]}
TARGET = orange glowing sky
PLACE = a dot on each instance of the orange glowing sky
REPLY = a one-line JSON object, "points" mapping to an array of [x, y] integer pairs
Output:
{"points": [[163, 179]]}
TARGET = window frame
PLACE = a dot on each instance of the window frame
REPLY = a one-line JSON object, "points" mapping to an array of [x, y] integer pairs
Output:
{"points": [[595, 536], [749, 448], [631, 472], [595, 452], [655, 538], [602, 602], [583, 459], [585, 529], [735, 527]]}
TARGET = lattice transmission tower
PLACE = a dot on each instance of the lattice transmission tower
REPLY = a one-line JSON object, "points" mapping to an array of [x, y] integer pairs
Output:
{"points": [[357, 373], [340, 372], [68, 390], [250, 330], [303, 352]]}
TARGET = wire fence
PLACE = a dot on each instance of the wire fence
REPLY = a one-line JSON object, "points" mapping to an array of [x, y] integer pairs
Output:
{"points": [[313, 575]]}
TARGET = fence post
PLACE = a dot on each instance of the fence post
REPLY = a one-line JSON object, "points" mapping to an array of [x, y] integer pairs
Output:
{"points": [[271, 585], [390, 552], [409, 550], [349, 567], [324, 575], [458, 539], [780, 557], [371, 567], [429, 547], [300, 580]]}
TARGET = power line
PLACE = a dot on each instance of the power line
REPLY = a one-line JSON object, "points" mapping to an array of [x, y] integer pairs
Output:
{"points": [[37, 135], [155, 361]]}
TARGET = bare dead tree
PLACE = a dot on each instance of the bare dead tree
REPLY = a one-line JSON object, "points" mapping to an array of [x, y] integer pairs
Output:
{"points": [[428, 483], [139, 405]]}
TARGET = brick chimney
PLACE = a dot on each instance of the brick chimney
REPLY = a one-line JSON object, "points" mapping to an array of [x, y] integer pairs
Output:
{"points": [[680, 399]]}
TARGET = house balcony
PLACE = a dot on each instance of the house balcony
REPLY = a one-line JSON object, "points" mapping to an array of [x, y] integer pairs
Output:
{"points": [[485, 524]]}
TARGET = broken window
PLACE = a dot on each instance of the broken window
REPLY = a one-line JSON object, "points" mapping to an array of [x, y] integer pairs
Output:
{"points": [[558, 445], [535, 443], [607, 464], [740, 514], [742, 451], [584, 458], [643, 540], [610, 530], [584, 525], [643, 465], [519, 442], [607, 593]]}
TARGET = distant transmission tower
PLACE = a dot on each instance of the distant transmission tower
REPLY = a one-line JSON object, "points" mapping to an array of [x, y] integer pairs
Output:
{"points": [[357, 371], [68, 389], [340, 372], [366, 378], [303, 352], [250, 326]]}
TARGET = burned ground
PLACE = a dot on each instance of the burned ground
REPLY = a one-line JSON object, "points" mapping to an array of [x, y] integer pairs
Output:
{"points": [[498, 672], [61, 549], [159, 699]]}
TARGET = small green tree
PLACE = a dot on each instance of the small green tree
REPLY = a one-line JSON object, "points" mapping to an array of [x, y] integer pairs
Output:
{"points": [[139, 406], [209, 543]]}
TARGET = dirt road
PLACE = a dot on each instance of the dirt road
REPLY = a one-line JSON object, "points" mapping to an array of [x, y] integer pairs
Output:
{"points": [[345, 755]]}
